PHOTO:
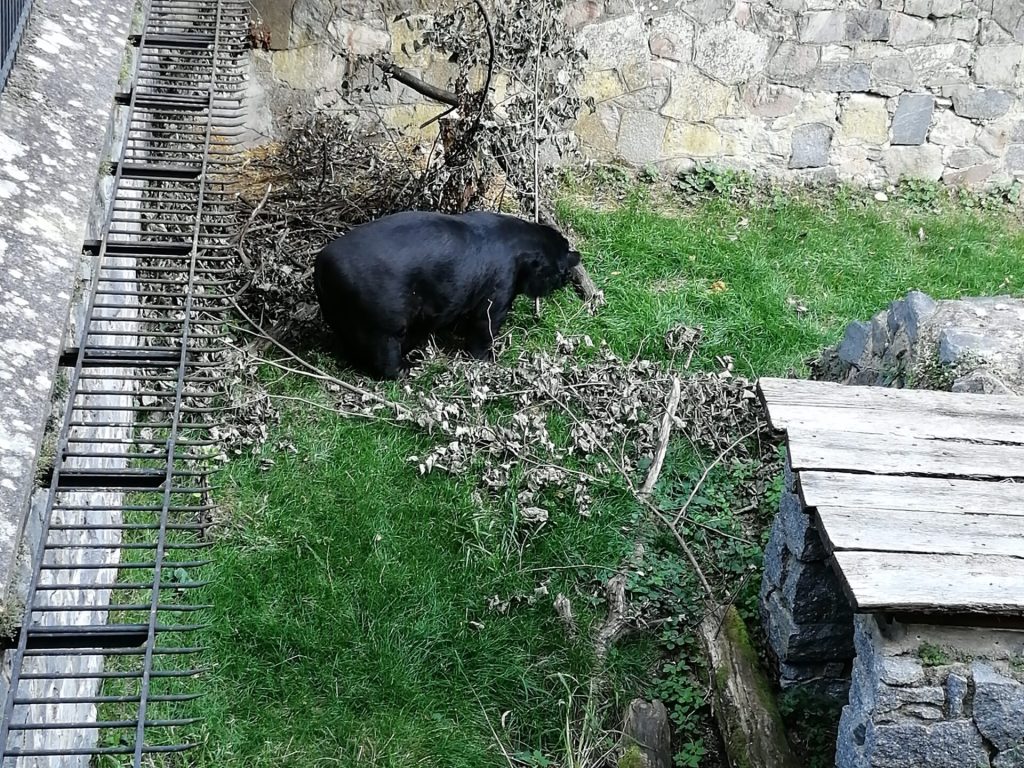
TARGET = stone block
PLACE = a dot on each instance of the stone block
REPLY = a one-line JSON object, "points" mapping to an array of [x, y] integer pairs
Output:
{"points": [[864, 24], [918, 7], [956, 28], [965, 157], [641, 135], [1011, 758], [912, 118], [894, 701], [595, 132], [902, 670], [955, 744], [601, 85], [940, 64], [891, 75], [907, 315], [856, 343], [580, 12], [956, 694], [811, 145], [650, 98], [792, 64], [802, 537], [812, 593], [924, 162], [671, 37], [940, 8], [309, 68], [774, 22], [998, 64], [998, 706], [706, 12], [730, 54], [982, 103], [795, 643], [1015, 132], [776, 556], [908, 30], [1009, 14], [355, 39], [842, 77], [864, 118], [694, 140], [950, 130], [823, 27], [764, 99], [1014, 159], [696, 98], [615, 43], [966, 177]]}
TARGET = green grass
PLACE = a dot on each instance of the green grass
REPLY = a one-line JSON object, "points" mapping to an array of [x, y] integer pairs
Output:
{"points": [[840, 260], [352, 622]]}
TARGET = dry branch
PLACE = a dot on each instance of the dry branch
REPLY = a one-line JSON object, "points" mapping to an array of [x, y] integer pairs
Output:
{"points": [[663, 436]]}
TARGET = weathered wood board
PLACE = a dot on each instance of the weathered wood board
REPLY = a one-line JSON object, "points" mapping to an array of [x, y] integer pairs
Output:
{"points": [[783, 393], [898, 455], [921, 494], [889, 530], [919, 583]]}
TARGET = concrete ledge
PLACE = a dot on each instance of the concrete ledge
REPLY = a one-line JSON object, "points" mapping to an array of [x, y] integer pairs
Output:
{"points": [[55, 115]]}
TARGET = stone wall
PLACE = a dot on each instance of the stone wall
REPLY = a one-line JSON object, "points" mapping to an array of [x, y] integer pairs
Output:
{"points": [[807, 619], [933, 696], [862, 90]]}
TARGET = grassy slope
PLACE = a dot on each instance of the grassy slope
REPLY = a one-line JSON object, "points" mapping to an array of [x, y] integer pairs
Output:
{"points": [[345, 589]]}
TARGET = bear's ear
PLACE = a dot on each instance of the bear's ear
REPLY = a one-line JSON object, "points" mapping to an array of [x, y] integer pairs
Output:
{"points": [[574, 259]]}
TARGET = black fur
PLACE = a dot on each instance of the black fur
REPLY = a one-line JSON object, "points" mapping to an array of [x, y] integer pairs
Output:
{"points": [[385, 287]]}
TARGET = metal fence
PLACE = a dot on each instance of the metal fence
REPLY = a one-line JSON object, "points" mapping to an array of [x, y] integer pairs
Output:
{"points": [[13, 15]]}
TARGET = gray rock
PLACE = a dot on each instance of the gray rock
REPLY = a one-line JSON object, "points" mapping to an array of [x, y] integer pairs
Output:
{"points": [[1014, 158], [891, 75], [730, 54], [1016, 133], [776, 556], [815, 642], [907, 31], [802, 537], [956, 693], [955, 344], [954, 744], [880, 333], [998, 706], [966, 177], [1009, 14], [982, 103], [812, 592], [901, 670], [856, 343], [867, 25], [768, 100], [997, 64], [646, 725], [792, 64], [1011, 758], [912, 118], [894, 700], [921, 162], [842, 77], [966, 157], [910, 313], [823, 27], [641, 134], [850, 739], [811, 145]]}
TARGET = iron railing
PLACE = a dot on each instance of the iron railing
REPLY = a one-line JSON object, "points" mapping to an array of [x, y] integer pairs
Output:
{"points": [[106, 659], [13, 17]]}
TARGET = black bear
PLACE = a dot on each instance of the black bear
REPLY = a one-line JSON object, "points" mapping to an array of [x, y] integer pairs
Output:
{"points": [[386, 286]]}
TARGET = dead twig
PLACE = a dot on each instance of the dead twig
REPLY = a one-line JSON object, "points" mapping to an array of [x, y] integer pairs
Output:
{"points": [[663, 437]]}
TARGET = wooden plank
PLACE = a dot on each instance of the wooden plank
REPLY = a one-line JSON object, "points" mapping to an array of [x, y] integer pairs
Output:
{"points": [[910, 421], [880, 410], [924, 494], [900, 455], [887, 530], [913, 583]]}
